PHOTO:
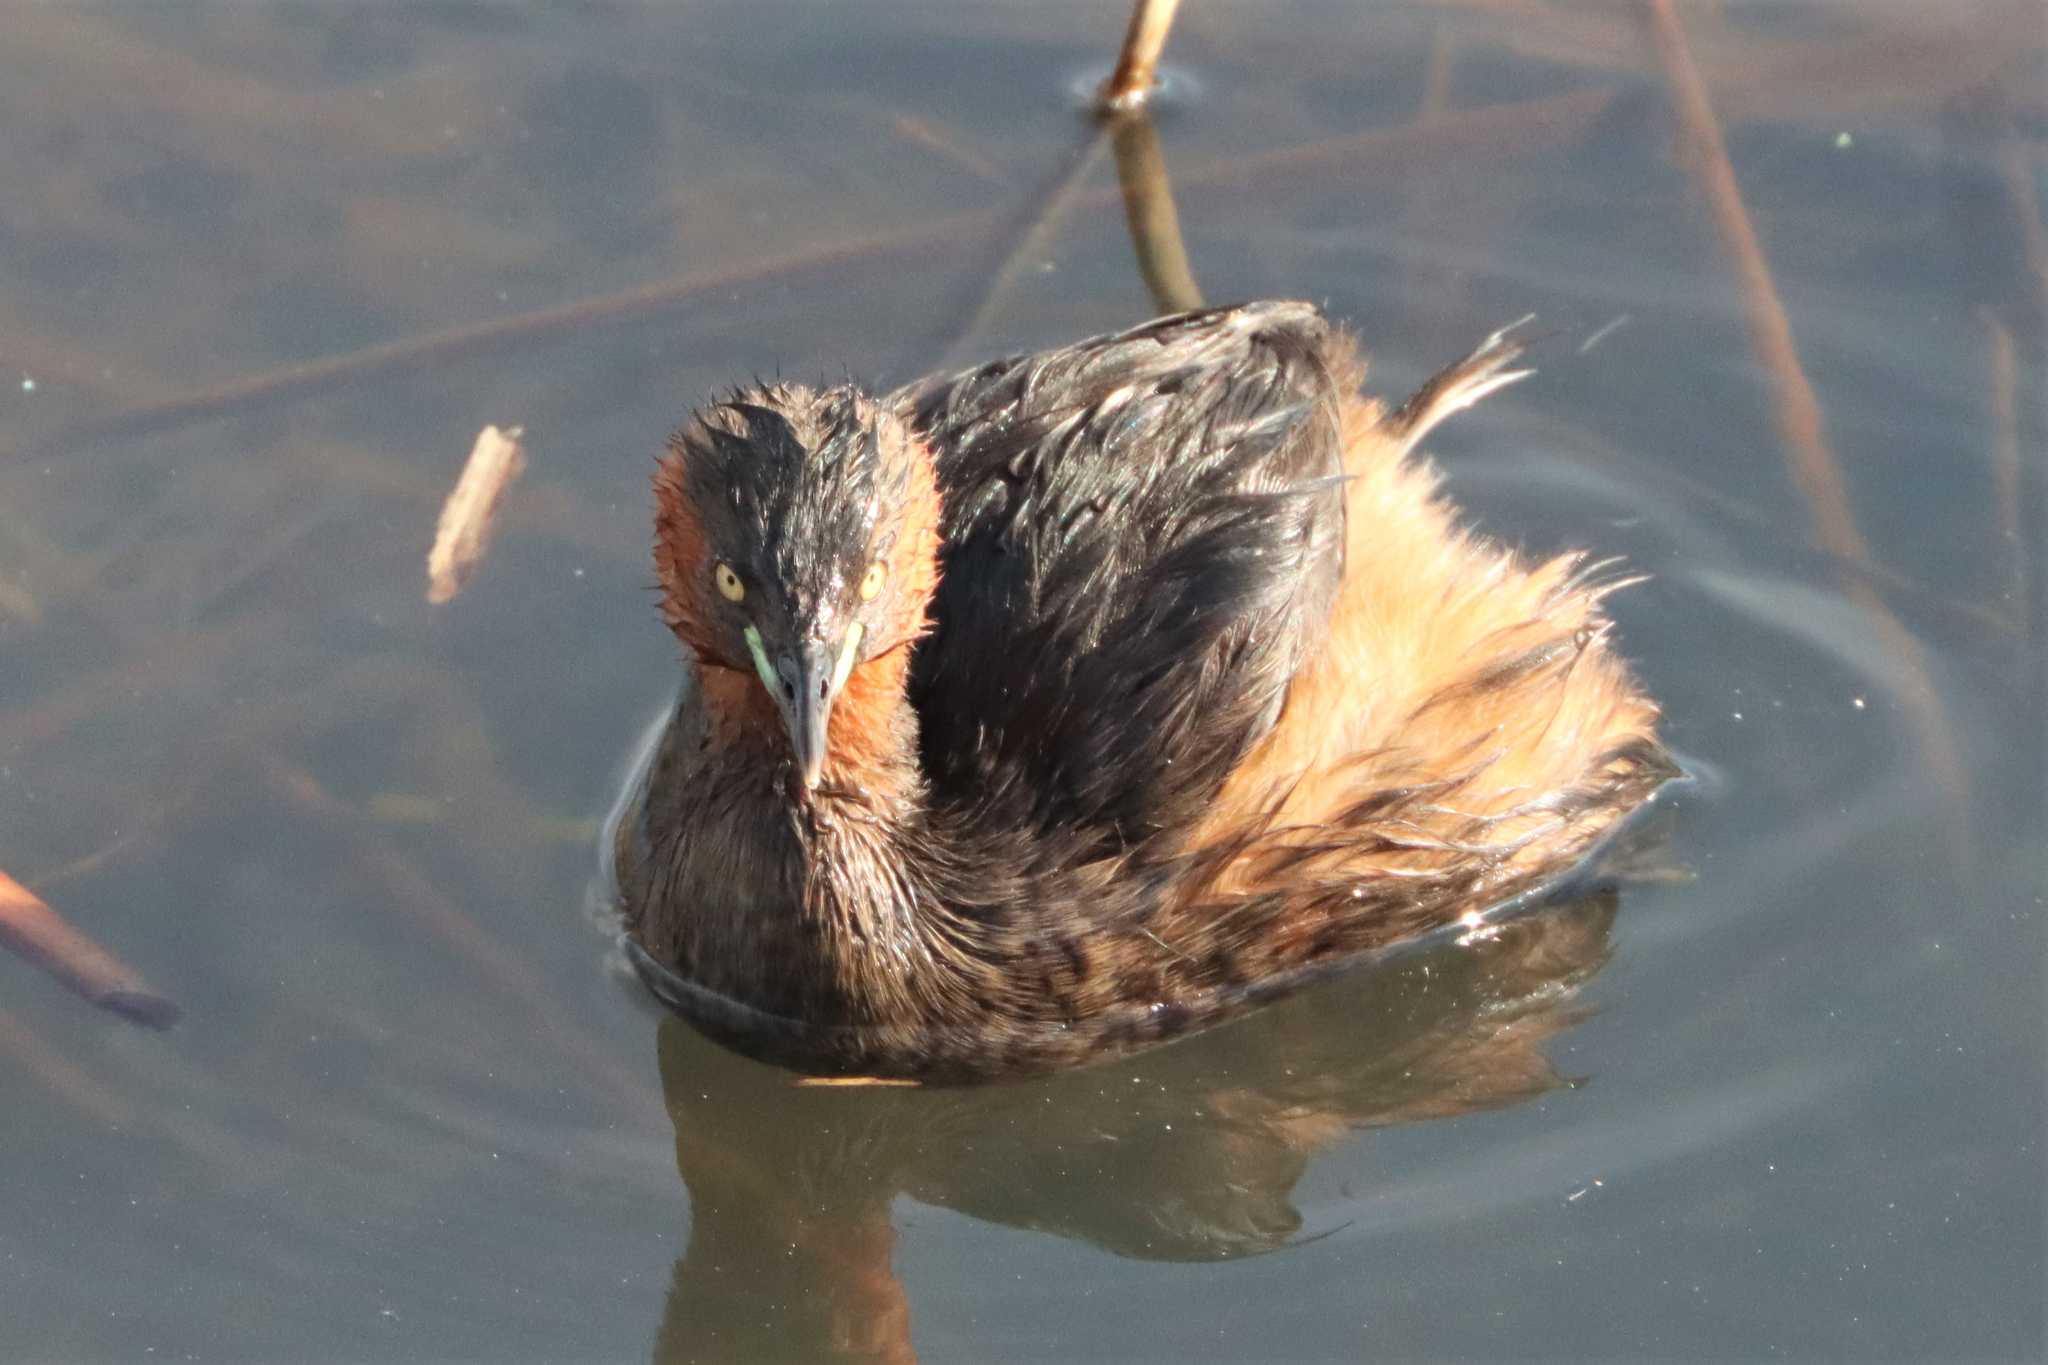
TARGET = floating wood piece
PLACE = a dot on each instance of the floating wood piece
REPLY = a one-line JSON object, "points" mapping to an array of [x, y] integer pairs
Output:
{"points": [[465, 530], [38, 933]]}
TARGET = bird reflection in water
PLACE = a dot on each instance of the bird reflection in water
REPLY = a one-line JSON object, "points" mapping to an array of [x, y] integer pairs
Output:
{"points": [[1187, 1154]]}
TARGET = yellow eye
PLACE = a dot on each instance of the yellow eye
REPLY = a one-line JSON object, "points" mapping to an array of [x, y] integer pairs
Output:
{"points": [[871, 582], [729, 585]]}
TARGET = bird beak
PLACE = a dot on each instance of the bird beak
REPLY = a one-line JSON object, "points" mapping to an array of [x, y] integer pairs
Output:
{"points": [[805, 682]]}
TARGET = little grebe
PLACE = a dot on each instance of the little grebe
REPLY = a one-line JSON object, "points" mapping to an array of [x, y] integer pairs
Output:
{"points": [[1075, 702]]}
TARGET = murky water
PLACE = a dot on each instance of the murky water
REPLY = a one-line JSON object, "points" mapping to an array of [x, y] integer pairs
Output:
{"points": [[1783, 1097]]}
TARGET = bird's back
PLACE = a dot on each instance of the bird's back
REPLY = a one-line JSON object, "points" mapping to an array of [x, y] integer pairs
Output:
{"points": [[1143, 535]]}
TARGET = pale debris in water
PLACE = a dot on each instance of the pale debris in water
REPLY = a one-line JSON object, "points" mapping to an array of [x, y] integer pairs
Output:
{"points": [[465, 530]]}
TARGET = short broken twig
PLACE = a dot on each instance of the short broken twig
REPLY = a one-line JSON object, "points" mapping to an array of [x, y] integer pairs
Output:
{"points": [[465, 530], [41, 935]]}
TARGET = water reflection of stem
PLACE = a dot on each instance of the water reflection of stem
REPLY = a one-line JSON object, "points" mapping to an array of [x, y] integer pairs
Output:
{"points": [[1137, 66], [1797, 413], [42, 568], [1472, 138], [1148, 208], [2016, 169], [75, 1087], [1632, 471], [1910, 58], [1436, 78], [1023, 241], [1475, 138], [148, 820], [1464, 213], [2005, 464], [922, 133], [54, 361], [290, 382], [526, 996]]}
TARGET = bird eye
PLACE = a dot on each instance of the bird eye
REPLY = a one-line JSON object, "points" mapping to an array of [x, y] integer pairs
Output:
{"points": [[729, 585], [871, 582]]}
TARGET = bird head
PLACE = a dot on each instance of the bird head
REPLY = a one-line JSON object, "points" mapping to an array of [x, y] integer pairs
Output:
{"points": [[796, 539]]}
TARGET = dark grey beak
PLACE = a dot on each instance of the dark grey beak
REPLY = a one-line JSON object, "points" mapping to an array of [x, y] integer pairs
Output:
{"points": [[805, 693]]}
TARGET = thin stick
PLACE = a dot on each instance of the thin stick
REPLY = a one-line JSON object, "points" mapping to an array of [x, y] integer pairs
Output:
{"points": [[1814, 468], [920, 131], [144, 823], [455, 343], [521, 990], [1047, 211], [19, 603], [1137, 67], [1436, 77], [1494, 132], [1835, 76], [2016, 168], [1148, 209], [1434, 288], [2005, 462], [38, 933], [1797, 412], [1475, 137]]}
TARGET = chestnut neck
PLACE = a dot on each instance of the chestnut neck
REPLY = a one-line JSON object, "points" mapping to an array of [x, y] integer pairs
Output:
{"points": [[871, 756], [872, 738]]}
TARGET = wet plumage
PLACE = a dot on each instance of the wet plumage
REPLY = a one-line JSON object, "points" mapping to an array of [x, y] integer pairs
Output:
{"points": [[1142, 538], [1087, 698]]}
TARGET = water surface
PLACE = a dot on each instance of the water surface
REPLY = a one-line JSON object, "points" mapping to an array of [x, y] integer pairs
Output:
{"points": [[1784, 1096]]}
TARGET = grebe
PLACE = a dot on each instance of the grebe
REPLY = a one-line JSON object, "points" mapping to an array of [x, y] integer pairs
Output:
{"points": [[1075, 702]]}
